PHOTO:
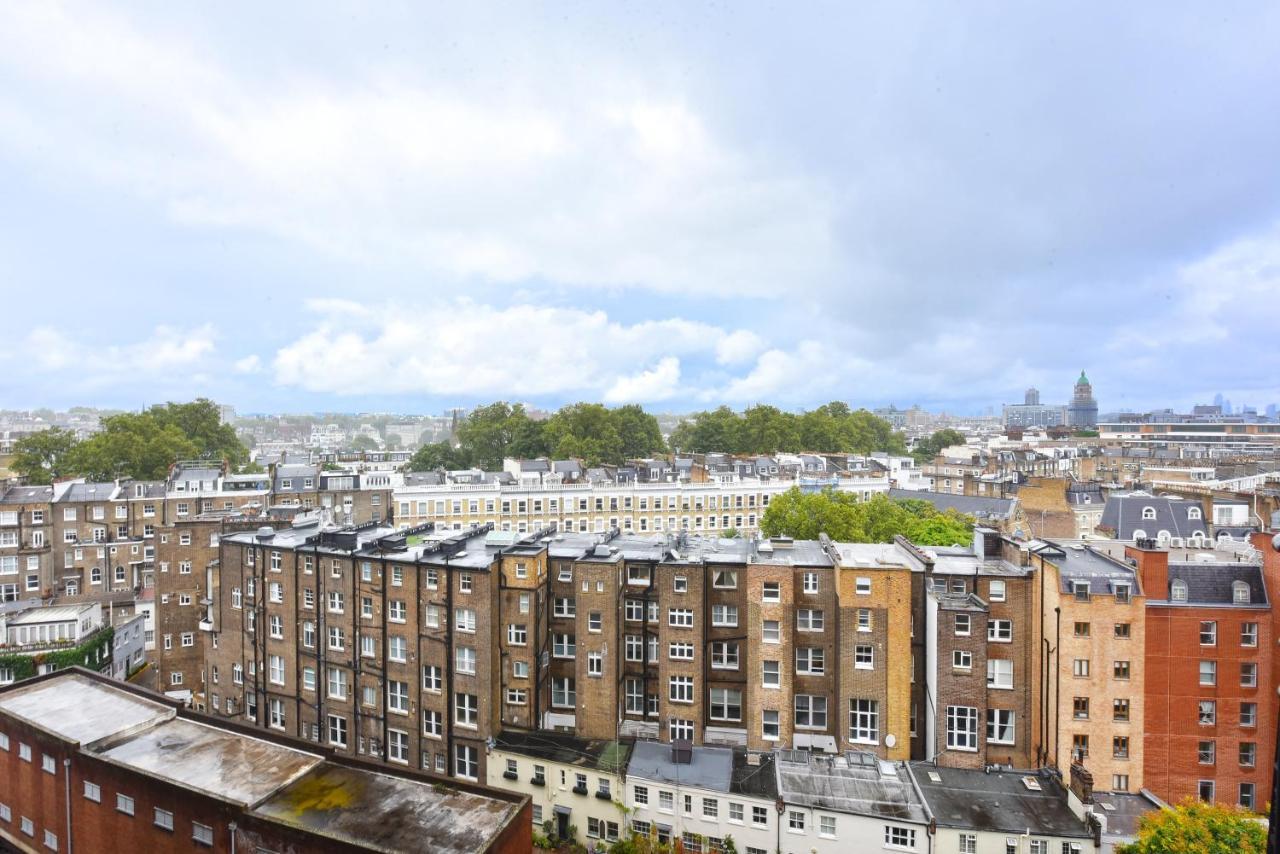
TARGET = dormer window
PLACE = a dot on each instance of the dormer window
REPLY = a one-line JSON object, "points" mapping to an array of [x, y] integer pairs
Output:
{"points": [[1194, 513], [1240, 593], [1148, 512], [1178, 592]]}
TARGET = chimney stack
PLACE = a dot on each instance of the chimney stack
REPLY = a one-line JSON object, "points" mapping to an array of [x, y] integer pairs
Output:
{"points": [[1153, 568]]}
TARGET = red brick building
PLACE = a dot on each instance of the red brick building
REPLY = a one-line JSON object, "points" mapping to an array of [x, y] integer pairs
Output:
{"points": [[1210, 691], [95, 765]]}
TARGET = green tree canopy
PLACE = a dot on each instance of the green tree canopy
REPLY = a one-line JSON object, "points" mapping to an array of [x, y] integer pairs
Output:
{"points": [[132, 445], [200, 421], [488, 432], [139, 445], [439, 455], [640, 433], [842, 517], [762, 429], [364, 443], [1194, 827], [930, 446], [45, 455]]}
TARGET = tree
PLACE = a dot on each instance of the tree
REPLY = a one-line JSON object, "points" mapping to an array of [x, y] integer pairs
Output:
{"points": [[1194, 827], [364, 443], [641, 435], [767, 430], [489, 431], [45, 455], [132, 445], [585, 431], [201, 422], [717, 430], [928, 448], [831, 428], [842, 517], [439, 455]]}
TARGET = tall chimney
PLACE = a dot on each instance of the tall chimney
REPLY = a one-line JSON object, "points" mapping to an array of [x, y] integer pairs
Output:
{"points": [[1153, 568]]}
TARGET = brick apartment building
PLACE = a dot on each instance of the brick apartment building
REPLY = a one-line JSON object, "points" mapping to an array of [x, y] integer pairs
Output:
{"points": [[982, 617], [1210, 678], [96, 765]]}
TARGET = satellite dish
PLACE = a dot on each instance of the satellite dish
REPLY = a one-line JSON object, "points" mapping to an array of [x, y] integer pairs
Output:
{"points": [[890, 740]]}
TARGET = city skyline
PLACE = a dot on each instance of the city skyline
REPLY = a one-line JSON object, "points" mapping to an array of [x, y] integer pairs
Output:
{"points": [[672, 207]]}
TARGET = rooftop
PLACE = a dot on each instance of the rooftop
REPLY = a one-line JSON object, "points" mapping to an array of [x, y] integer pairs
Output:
{"points": [[567, 749], [209, 760], [388, 813], [971, 505], [999, 801], [80, 708], [708, 768], [1079, 562], [857, 783], [272, 777]]}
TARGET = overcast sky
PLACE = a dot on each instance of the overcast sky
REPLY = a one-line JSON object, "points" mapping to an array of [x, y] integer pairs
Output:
{"points": [[679, 205]]}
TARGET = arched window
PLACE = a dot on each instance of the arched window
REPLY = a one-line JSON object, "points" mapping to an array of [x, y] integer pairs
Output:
{"points": [[1179, 593], [1148, 512], [1240, 593], [1139, 534], [1224, 536], [1194, 513], [1197, 538], [1163, 537]]}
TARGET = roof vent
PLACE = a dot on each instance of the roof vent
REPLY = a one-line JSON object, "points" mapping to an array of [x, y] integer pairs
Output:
{"points": [[266, 532], [1031, 783], [935, 777]]}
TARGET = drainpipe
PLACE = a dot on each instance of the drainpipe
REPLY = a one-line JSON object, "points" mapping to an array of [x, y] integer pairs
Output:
{"points": [[66, 777], [1057, 688], [231, 828]]}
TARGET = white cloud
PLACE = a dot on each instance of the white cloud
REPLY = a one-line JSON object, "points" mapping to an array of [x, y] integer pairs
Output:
{"points": [[659, 383], [739, 347], [464, 348], [608, 180], [250, 364], [168, 352]]}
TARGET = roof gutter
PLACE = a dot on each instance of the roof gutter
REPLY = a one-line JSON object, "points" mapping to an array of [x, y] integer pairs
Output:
{"points": [[932, 827]]}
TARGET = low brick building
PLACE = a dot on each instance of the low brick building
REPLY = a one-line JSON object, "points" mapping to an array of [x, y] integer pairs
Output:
{"points": [[95, 765]]}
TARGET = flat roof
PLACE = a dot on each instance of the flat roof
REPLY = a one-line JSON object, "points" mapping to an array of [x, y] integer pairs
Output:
{"points": [[998, 801], [51, 614], [81, 709], [857, 783], [567, 749], [708, 768], [217, 762], [388, 813]]}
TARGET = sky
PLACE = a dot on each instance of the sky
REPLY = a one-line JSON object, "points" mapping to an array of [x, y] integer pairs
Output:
{"points": [[404, 207]]}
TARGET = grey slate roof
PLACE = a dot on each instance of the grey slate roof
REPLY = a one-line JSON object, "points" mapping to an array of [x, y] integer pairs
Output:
{"points": [[710, 767], [27, 495], [88, 492], [1211, 583], [1081, 563], [970, 799], [1123, 515], [971, 505]]}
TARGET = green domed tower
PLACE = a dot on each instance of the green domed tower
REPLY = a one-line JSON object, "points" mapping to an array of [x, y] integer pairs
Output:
{"points": [[1083, 411]]}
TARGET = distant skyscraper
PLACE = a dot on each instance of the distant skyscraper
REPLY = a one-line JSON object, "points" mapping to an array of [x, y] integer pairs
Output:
{"points": [[1271, 410], [1083, 410], [1032, 397], [1217, 400]]}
